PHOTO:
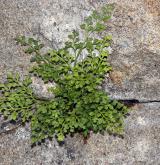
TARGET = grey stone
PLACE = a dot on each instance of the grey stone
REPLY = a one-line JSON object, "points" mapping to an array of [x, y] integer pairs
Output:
{"points": [[41, 90], [134, 76], [135, 58], [140, 145], [134, 27]]}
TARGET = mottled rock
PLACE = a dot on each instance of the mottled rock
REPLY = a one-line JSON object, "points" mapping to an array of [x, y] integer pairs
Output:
{"points": [[135, 76], [135, 58], [140, 145], [41, 90], [135, 28]]}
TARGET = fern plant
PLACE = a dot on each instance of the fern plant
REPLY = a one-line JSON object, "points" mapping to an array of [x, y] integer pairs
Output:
{"points": [[79, 105], [17, 98]]}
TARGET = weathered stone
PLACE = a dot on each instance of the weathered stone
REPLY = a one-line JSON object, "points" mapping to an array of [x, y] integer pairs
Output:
{"points": [[140, 145], [40, 89], [135, 76], [135, 28], [135, 58]]}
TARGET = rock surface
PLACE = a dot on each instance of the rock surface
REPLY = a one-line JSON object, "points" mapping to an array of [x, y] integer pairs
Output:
{"points": [[140, 145], [135, 58], [135, 28]]}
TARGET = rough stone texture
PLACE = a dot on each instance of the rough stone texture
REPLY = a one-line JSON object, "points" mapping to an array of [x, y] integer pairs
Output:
{"points": [[47, 20], [40, 89], [140, 146], [135, 28], [135, 58]]}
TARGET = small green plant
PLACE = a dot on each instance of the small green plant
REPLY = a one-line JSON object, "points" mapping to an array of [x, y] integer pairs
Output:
{"points": [[17, 98], [79, 105]]}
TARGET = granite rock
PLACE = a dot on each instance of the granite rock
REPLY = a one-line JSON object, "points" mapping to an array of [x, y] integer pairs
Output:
{"points": [[135, 58], [135, 28], [139, 146]]}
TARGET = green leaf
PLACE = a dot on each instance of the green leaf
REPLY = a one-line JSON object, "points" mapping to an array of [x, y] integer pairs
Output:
{"points": [[83, 26], [14, 116], [60, 137]]}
